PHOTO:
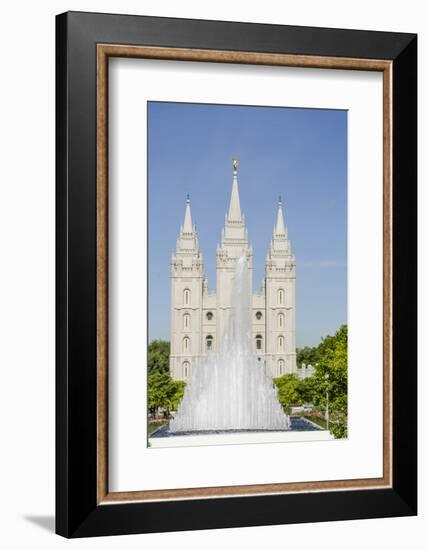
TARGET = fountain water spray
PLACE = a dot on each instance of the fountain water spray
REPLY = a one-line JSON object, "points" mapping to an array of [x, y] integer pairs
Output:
{"points": [[229, 390]]}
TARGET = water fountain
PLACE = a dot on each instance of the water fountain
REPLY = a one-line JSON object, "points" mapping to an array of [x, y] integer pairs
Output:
{"points": [[229, 389]]}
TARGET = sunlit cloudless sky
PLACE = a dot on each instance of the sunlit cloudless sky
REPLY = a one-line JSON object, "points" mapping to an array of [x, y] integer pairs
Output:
{"points": [[300, 154]]}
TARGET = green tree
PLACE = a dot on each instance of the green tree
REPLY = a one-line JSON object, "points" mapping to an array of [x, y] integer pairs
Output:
{"points": [[158, 356], [307, 388], [177, 395], [159, 389], [164, 392], [307, 355], [288, 390], [330, 361], [331, 373]]}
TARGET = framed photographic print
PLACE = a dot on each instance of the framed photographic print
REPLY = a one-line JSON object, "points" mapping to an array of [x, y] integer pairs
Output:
{"points": [[236, 274]]}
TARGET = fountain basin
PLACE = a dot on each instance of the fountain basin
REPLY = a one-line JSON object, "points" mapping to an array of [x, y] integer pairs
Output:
{"points": [[301, 430]]}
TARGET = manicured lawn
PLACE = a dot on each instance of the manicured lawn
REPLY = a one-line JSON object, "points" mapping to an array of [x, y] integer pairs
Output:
{"points": [[154, 426], [317, 420]]}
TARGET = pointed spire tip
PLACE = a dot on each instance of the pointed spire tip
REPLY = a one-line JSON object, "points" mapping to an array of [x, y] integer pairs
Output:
{"points": [[280, 226], [234, 206], [188, 226]]}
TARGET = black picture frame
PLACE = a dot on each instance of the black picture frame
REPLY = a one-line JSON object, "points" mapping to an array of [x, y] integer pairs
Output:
{"points": [[77, 512]]}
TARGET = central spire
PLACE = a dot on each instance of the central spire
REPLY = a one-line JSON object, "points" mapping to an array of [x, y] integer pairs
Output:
{"points": [[280, 228], [187, 226], [235, 207]]}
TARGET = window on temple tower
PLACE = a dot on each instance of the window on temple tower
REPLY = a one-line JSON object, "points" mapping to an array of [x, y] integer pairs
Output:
{"points": [[186, 369], [258, 315], [209, 341], [186, 344], [186, 321], [281, 296], [209, 316], [259, 341], [280, 343], [281, 367], [186, 297], [281, 320]]}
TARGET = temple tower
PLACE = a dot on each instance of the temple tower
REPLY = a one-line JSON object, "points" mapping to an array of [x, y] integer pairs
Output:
{"points": [[187, 277], [280, 293]]}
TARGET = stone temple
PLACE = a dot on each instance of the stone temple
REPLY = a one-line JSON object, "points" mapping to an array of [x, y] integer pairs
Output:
{"points": [[199, 316]]}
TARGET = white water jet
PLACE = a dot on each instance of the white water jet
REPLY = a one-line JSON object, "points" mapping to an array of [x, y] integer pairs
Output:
{"points": [[229, 390]]}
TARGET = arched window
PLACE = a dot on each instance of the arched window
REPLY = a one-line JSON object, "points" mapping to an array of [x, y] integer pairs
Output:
{"points": [[281, 367], [186, 369], [281, 322], [259, 341], [209, 315], [209, 341], [186, 297], [280, 343], [258, 315], [186, 344], [186, 321], [281, 297]]}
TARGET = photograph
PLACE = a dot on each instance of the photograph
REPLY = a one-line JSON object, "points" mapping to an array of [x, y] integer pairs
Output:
{"points": [[247, 274]]}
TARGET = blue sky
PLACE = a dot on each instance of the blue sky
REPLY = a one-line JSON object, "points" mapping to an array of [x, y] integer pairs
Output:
{"points": [[300, 154]]}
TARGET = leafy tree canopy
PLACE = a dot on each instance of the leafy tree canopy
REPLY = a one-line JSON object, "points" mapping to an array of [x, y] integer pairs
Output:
{"points": [[288, 390], [307, 355], [330, 360], [163, 391], [158, 356]]}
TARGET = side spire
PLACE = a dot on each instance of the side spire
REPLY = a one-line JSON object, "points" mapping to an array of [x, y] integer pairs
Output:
{"points": [[235, 207], [187, 242], [187, 226], [280, 227]]}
